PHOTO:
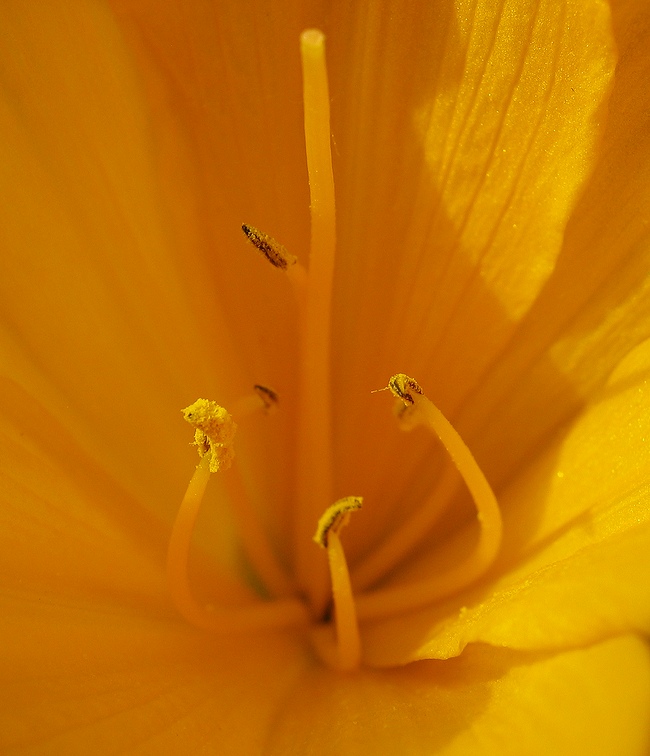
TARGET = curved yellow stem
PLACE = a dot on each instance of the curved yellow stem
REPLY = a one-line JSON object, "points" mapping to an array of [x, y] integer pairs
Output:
{"points": [[421, 411], [258, 616]]}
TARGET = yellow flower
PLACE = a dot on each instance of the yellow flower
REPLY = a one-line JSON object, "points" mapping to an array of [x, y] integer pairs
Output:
{"points": [[491, 172]]}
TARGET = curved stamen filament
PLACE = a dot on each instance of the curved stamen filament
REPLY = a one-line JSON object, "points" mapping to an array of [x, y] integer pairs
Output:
{"points": [[347, 629], [314, 448], [213, 436], [262, 398], [254, 540], [260, 615], [336, 517], [421, 411], [407, 535]]}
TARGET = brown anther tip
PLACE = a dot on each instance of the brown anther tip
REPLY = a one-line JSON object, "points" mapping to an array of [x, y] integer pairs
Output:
{"points": [[272, 250], [267, 395]]}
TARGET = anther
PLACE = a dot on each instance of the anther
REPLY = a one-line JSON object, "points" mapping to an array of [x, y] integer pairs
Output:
{"points": [[274, 252], [403, 387], [214, 432], [335, 518], [269, 397]]}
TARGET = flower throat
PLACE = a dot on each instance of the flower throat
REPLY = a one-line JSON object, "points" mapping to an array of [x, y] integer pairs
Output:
{"points": [[317, 589]]}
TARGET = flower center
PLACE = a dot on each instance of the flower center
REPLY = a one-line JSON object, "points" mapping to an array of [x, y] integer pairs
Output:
{"points": [[318, 588]]}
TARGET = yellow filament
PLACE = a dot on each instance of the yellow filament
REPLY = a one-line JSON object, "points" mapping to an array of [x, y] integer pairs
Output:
{"points": [[261, 615], [247, 405], [254, 540], [406, 536], [330, 525], [421, 411], [345, 615], [262, 398], [314, 449]]}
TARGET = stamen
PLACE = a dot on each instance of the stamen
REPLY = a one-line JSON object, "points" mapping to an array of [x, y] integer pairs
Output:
{"points": [[330, 525], [254, 540], [418, 410], [314, 447], [214, 435], [407, 535]]}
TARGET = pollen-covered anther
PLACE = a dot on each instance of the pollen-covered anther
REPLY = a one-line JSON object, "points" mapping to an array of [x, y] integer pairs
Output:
{"points": [[274, 252], [403, 387], [214, 432], [335, 518]]}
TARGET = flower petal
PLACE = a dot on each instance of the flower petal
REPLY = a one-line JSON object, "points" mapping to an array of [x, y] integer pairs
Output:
{"points": [[520, 137], [222, 89], [102, 321], [510, 119], [77, 679], [488, 701], [67, 528], [596, 305]]}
